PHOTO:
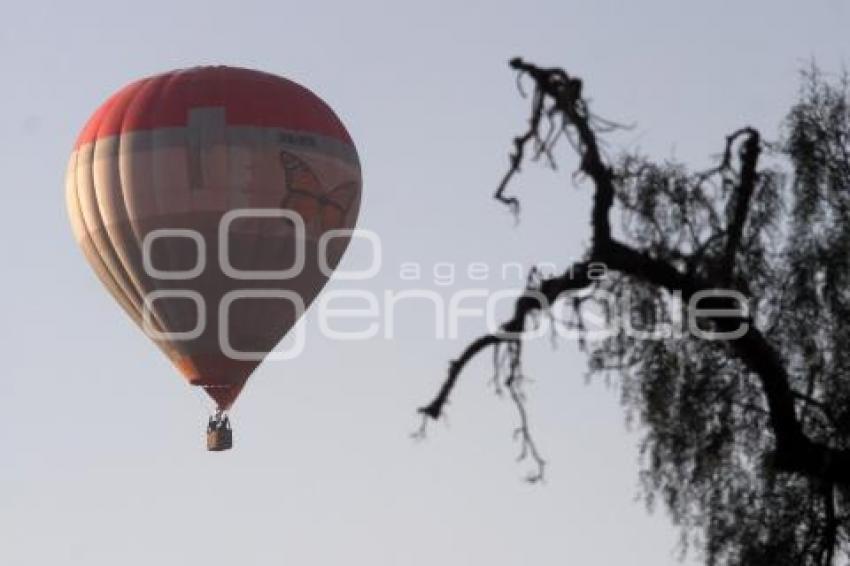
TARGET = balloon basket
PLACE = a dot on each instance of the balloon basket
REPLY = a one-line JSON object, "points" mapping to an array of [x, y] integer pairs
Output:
{"points": [[219, 440], [219, 433]]}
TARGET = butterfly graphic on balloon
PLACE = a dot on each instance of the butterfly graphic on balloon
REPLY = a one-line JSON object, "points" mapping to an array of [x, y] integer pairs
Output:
{"points": [[306, 196]]}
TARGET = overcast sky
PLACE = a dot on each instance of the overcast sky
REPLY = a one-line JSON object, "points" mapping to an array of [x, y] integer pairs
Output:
{"points": [[103, 460]]}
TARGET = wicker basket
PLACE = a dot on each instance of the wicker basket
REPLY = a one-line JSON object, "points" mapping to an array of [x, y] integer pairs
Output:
{"points": [[219, 439]]}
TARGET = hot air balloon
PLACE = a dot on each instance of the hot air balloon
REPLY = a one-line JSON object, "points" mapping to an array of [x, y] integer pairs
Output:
{"points": [[212, 203]]}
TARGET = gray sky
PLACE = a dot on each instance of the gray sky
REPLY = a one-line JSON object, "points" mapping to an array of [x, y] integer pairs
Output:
{"points": [[103, 460]]}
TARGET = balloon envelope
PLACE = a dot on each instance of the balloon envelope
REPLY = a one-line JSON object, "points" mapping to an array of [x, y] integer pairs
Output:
{"points": [[200, 197]]}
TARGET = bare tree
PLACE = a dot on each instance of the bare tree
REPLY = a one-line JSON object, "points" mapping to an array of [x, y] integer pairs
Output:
{"points": [[747, 440]]}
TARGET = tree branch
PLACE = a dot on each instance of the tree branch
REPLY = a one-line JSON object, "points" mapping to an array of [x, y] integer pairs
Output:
{"points": [[794, 452], [540, 297], [744, 192]]}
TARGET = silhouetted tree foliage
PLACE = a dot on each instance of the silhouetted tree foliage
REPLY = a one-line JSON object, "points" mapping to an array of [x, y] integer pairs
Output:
{"points": [[747, 440]]}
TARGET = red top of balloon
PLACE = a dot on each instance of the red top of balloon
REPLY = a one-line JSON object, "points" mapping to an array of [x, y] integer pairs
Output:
{"points": [[250, 98]]}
